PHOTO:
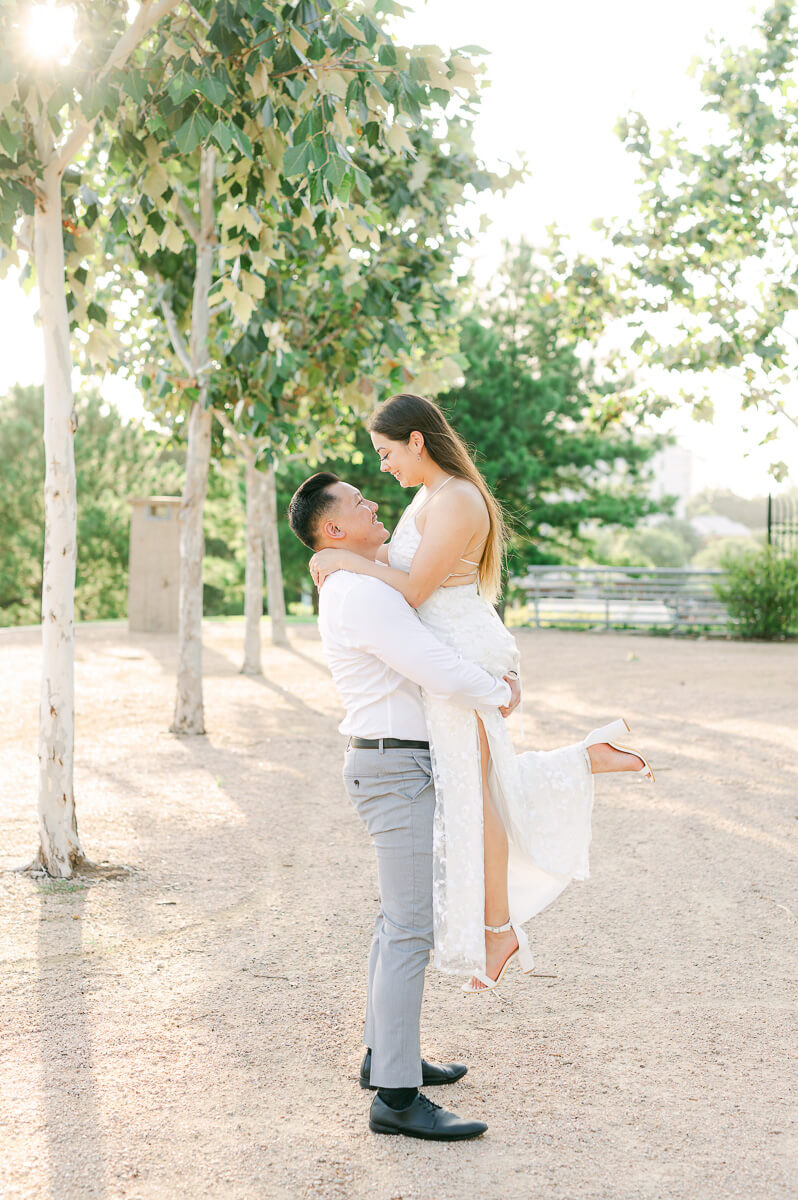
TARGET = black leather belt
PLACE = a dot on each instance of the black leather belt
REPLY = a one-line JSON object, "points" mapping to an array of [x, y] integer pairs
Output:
{"points": [[386, 744]]}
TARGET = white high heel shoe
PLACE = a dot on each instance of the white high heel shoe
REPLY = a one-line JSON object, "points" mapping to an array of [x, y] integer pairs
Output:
{"points": [[619, 729], [522, 952]]}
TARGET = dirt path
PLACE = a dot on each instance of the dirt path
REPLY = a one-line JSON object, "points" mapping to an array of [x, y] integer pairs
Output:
{"points": [[193, 1030]]}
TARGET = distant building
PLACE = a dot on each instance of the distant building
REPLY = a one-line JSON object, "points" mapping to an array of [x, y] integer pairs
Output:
{"points": [[710, 525], [672, 470]]}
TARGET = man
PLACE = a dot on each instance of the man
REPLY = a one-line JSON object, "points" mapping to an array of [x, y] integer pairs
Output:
{"points": [[381, 655]]}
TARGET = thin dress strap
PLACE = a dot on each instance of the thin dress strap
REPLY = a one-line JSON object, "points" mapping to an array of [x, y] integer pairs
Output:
{"points": [[412, 510], [470, 562], [427, 499]]}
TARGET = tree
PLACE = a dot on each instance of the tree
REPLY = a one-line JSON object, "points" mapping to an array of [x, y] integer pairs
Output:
{"points": [[48, 115], [714, 252], [337, 329], [288, 94], [556, 428], [113, 460], [646, 546], [760, 590], [748, 510]]}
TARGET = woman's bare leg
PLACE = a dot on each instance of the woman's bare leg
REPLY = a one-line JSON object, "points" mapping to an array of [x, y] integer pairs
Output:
{"points": [[497, 908], [605, 759]]}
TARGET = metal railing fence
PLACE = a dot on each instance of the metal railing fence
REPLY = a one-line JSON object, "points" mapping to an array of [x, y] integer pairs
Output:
{"points": [[671, 598], [782, 523]]}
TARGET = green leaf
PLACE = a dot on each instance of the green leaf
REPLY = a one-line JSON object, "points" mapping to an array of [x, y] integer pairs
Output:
{"points": [[226, 33], [318, 151], [286, 58], [387, 55], [419, 69], [9, 141], [370, 30], [97, 313], [316, 49], [99, 96], [181, 86], [136, 86], [311, 124], [317, 190], [222, 135], [362, 181], [213, 89], [191, 132], [335, 171], [296, 160], [241, 140]]}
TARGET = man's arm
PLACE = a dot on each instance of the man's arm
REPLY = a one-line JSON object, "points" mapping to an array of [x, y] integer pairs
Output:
{"points": [[381, 621]]}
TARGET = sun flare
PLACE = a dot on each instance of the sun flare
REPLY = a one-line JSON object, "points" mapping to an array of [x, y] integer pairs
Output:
{"points": [[50, 31]]}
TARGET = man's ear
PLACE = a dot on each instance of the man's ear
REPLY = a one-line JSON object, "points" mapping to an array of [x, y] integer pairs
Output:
{"points": [[332, 531]]}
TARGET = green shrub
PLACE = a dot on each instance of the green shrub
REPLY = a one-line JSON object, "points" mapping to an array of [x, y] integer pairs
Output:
{"points": [[761, 592]]}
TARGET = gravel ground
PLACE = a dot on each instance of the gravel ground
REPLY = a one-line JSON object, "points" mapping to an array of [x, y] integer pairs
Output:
{"points": [[192, 1028]]}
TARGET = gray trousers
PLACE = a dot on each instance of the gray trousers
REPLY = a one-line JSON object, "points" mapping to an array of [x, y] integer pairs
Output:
{"points": [[393, 793]]}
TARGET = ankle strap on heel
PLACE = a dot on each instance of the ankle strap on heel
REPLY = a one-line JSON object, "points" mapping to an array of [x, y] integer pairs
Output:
{"points": [[499, 928]]}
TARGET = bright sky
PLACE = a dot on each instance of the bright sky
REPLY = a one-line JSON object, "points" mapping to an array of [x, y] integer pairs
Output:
{"points": [[561, 76]]}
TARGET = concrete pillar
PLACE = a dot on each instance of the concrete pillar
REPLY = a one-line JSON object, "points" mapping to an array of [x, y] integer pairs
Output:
{"points": [[154, 570]]}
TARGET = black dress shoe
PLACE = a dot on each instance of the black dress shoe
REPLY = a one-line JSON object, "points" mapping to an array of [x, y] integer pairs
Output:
{"points": [[432, 1074], [422, 1119]]}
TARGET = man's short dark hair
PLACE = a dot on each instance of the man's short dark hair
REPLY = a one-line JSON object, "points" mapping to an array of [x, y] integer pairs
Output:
{"points": [[308, 505]]}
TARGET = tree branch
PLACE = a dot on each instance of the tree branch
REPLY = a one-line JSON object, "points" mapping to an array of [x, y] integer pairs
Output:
{"points": [[205, 24], [239, 441], [176, 337], [187, 217], [200, 308], [217, 308], [149, 14], [778, 409]]}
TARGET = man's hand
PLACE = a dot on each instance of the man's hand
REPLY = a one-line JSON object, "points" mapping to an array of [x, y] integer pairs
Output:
{"points": [[515, 694]]}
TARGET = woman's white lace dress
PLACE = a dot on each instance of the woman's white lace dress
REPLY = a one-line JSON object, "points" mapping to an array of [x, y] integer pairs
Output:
{"points": [[545, 798]]}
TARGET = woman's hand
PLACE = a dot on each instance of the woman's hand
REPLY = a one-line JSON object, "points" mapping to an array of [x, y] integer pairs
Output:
{"points": [[515, 694], [326, 562]]}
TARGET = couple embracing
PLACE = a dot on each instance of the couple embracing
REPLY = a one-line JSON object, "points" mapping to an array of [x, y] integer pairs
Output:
{"points": [[471, 838]]}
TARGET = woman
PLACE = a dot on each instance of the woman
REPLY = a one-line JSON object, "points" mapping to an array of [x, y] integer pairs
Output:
{"points": [[510, 830]]}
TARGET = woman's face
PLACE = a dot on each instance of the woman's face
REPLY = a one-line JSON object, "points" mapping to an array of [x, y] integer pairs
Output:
{"points": [[400, 458]]}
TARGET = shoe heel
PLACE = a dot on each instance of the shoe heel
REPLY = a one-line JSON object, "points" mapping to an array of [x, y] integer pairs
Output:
{"points": [[526, 960], [607, 733], [375, 1128]]}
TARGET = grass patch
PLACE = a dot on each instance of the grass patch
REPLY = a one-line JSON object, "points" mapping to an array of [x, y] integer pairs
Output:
{"points": [[57, 887]]}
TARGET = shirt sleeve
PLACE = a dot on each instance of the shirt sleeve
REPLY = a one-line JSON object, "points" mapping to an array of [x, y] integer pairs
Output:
{"points": [[379, 620]]}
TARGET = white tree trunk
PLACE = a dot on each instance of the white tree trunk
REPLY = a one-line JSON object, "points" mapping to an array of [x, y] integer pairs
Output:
{"points": [[189, 714], [275, 596], [253, 586], [60, 848]]}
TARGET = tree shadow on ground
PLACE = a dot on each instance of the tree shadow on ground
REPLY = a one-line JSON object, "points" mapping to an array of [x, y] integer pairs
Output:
{"points": [[71, 1118]]}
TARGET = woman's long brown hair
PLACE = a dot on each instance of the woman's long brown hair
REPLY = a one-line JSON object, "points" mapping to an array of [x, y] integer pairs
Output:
{"points": [[404, 414]]}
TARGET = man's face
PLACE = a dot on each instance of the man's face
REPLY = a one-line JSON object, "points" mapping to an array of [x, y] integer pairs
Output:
{"points": [[352, 523]]}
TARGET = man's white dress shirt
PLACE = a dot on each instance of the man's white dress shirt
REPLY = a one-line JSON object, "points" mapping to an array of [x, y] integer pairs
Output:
{"points": [[381, 655]]}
